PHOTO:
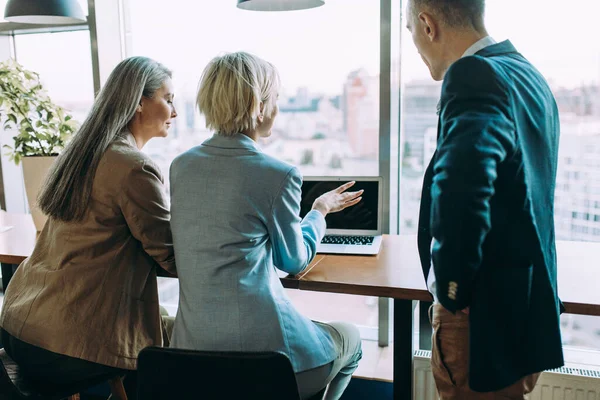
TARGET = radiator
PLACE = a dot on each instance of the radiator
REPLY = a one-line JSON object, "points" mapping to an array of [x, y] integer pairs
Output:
{"points": [[560, 384]]}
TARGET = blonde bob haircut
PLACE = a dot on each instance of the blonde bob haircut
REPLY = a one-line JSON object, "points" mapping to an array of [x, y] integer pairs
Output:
{"points": [[232, 89]]}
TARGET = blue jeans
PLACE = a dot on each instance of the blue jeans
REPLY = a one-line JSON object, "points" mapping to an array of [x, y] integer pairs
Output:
{"points": [[337, 374]]}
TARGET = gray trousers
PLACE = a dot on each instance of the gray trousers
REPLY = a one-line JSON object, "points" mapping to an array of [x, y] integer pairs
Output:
{"points": [[337, 374]]}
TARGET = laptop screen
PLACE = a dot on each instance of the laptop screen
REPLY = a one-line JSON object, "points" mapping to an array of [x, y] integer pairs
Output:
{"points": [[362, 216]]}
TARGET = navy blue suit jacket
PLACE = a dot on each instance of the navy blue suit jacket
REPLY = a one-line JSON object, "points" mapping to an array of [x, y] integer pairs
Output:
{"points": [[488, 206]]}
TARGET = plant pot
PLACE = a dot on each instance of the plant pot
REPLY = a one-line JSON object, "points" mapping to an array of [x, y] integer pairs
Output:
{"points": [[35, 170]]}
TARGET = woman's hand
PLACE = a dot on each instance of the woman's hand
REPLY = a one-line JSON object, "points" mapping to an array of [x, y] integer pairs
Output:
{"points": [[337, 199]]}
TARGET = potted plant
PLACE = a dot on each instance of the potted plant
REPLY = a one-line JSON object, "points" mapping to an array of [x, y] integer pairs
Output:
{"points": [[42, 128]]}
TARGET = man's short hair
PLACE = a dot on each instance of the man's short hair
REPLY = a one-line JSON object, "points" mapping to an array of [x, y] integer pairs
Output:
{"points": [[231, 89], [455, 13]]}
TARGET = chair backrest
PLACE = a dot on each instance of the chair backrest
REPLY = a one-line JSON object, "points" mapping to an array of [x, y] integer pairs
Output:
{"points": [[165, 373]]}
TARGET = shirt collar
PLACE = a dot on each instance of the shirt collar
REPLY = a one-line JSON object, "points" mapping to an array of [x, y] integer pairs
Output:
{"points": [[237, 141], [479, 45]]}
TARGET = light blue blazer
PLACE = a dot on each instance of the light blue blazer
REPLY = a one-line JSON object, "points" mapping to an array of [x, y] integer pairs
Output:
{"points": [[235, 218]]}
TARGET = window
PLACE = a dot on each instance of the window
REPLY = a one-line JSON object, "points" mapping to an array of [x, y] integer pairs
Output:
{"points": [[328, 123], [329, 105], [573, 74], [63, 60], [68, 78]]}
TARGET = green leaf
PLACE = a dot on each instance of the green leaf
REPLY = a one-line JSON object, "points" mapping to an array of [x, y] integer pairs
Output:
{"points": [[43, 126]]}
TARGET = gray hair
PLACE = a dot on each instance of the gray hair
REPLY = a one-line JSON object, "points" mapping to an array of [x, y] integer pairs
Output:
{"points": [[455, 13], [66, 192]]}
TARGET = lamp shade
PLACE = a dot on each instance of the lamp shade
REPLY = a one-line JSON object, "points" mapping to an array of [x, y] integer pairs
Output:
{"points": [[278, 5], [44, 11]]}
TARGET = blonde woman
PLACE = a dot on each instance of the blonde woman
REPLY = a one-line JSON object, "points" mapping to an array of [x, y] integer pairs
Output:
{"points": [[86, 301], [235, 218]]}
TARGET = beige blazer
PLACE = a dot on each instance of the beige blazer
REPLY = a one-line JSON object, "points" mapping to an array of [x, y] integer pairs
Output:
{"points": [[89, 289]]}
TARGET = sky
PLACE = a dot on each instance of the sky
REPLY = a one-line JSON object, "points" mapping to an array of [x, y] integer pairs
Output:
{"points": [[314, 48], [319, 47]]}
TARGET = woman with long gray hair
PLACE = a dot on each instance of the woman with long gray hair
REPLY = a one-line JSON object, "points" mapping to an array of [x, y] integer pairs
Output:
{"points": [[85, 302]]}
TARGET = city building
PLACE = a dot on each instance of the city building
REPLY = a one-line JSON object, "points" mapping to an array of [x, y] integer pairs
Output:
{"points": [[361, 113]]}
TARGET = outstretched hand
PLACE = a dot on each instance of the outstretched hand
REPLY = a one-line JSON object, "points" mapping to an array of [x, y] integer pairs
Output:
{"points": [[337, 199]]}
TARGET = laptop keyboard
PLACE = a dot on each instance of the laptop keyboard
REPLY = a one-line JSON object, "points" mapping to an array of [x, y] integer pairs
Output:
{"points": [[354, 240]]}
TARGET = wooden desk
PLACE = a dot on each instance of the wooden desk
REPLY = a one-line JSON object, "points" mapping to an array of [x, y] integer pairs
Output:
{"points": [[15, 243], [18, 241], [395, 273]]}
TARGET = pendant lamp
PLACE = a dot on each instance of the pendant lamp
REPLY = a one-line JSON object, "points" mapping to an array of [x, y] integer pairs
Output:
{"points": [[44, 11], [278, 5]]}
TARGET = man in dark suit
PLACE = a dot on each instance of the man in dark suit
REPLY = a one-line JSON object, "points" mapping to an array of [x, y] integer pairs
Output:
{"points": [[486, 226]]}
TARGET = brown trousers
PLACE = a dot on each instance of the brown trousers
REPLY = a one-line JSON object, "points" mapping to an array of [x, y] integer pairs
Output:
{"points": [[450, 357]]}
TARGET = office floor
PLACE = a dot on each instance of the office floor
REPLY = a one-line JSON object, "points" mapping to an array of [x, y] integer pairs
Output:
{"points": [[377, 362]]}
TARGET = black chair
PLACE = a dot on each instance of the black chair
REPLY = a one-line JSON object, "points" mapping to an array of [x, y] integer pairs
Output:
{"points": [[165, 373], [13, 386]]}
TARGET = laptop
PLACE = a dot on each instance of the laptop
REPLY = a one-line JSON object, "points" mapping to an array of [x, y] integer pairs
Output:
{"points": [[355, 230]]}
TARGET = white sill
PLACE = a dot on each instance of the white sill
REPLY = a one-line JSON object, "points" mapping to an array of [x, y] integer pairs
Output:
{"points": [[576, 357]]}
